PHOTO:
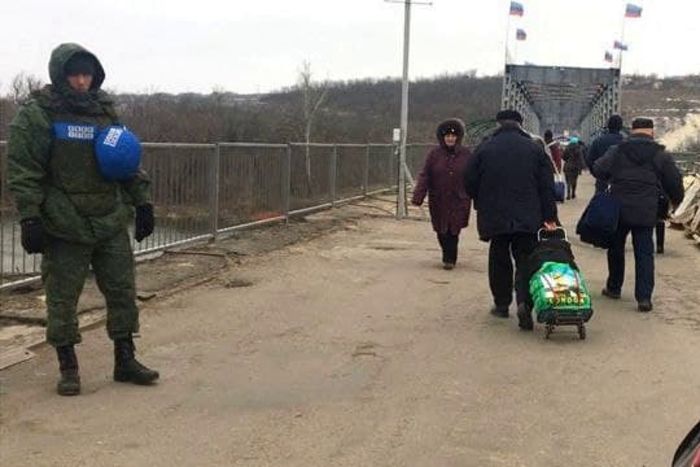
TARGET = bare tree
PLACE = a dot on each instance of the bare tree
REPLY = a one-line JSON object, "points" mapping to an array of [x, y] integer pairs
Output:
{"points": [[23, 85], [312, 96]]}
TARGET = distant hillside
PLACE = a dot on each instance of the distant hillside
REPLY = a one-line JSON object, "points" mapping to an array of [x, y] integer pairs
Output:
{"points": [[367, 110], [674, 103]]}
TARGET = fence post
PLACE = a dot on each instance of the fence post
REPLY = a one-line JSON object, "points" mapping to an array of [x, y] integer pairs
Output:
{"points": [[214, 189], [334, 174], [286, 182], [365, 176]]}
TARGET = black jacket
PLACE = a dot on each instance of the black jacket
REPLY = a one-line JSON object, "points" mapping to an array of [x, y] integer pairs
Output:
{"points": [[511, 182], [598, 149], [636, 169]]}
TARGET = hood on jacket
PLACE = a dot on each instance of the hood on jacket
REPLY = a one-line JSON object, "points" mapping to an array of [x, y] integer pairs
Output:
{"points": [[640, 149], [59, 58], [455, 123]]}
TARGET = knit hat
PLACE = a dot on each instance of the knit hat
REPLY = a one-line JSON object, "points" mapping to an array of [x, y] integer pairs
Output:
{"points": [[80, 64], [615, 123]]}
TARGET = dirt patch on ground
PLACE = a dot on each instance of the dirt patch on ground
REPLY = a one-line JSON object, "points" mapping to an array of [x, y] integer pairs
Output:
{"points": [[23, 311]]}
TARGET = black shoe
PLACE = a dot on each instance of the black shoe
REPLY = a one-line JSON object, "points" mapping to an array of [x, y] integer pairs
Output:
{"points": [[525, 318], [126, 368], [608, 293], [447, 266], [659, 251], [644, 306], [69, 384], [500, 312]]}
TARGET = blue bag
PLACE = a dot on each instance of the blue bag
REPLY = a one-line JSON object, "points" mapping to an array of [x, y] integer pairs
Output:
{"points": [[600, 220], [559, 187]]}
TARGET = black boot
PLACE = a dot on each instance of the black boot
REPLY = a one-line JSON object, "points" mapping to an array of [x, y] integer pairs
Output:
{"points": [[126, 368], [525, 317], [69, 384]]}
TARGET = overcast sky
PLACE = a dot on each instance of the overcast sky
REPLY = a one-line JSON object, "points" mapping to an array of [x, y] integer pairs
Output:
{"points": [[249, 46]]}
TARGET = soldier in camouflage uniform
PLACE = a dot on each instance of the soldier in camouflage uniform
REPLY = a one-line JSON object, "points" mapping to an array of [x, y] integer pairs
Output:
{"points": [[75, 217]]}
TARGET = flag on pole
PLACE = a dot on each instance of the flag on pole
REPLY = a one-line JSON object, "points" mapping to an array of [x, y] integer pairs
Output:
{"points": [[608, 57], [516, 9], [620, 46], [633, 11], [521, 35]]}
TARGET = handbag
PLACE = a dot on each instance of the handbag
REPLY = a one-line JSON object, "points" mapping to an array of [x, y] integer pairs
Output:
{"points": [[599, 222], [559, 187]]}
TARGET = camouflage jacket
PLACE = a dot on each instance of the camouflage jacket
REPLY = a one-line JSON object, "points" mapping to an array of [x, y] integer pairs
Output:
{"points": [[52, 170]]}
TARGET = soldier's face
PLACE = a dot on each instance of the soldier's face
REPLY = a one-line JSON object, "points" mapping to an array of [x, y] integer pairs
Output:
{"points": [[80, 82], [450, 139]]}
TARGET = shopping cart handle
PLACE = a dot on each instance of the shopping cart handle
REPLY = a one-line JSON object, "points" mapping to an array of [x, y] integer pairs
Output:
{"points": [[550, 233]]}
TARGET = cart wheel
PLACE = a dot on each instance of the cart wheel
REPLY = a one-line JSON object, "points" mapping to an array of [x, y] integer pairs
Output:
{"points": [[582, 331]]}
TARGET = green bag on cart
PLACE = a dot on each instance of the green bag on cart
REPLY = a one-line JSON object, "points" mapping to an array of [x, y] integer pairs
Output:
{"points": [[557, 289]]}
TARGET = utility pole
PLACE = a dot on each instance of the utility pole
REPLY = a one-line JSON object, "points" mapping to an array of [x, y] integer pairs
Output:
{"points": [[401, 208]]}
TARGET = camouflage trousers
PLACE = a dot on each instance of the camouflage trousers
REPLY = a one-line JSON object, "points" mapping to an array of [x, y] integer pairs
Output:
{"points": [[65, 266]]}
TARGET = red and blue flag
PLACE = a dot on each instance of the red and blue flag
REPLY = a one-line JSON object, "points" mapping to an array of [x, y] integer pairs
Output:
{"points": [[521, 35], [608, 57], [516, 9], [633, 11]]}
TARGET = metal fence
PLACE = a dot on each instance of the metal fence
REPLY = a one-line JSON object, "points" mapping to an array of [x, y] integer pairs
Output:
{"points": [[201, 191]]}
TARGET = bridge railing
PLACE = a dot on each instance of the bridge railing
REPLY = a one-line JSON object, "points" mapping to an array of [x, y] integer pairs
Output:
{"points": [[203, 191]]}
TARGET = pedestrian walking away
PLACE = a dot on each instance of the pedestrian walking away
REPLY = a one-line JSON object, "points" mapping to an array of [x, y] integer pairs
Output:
{"points": [[600, 145], [554, 150], [573, 166], [75, 209], [663, 215], [634, 170], [442, 181], [511, 181]]}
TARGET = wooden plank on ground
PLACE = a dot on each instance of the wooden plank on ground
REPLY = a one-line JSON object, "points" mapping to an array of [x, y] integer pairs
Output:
{"points": [[15, 356]]}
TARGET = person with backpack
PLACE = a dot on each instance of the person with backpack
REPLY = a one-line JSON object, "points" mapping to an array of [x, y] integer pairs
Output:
{"points": [[635, 169], [76, 216]]}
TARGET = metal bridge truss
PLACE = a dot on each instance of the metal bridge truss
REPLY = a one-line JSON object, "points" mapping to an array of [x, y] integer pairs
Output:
{"points": [[563, 99]]}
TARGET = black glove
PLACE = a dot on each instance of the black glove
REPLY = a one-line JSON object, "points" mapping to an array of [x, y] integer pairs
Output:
{"points": [[144, 222], [32, 235]]}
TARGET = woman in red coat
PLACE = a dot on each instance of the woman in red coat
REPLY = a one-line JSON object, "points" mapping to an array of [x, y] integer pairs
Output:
{"points": [[442, 180]]}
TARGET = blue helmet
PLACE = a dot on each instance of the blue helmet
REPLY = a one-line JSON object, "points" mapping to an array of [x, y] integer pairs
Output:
{"points": [[118, 153]]}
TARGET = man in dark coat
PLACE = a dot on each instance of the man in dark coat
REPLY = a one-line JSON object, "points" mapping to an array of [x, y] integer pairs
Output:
{"points": [[441, 178], [635, 169], [601, 144], [511, 181]]}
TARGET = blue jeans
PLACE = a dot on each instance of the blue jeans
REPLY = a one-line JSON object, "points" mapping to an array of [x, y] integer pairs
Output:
{"points": [[643, 243]]}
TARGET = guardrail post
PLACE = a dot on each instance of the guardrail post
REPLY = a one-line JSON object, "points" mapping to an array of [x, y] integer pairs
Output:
{"points": [[365, 177], [286, 181], [334, 174], [214, 189]]}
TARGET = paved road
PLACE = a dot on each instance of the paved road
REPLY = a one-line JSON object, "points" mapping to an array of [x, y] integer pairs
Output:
{"points": [[356, 349]]}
